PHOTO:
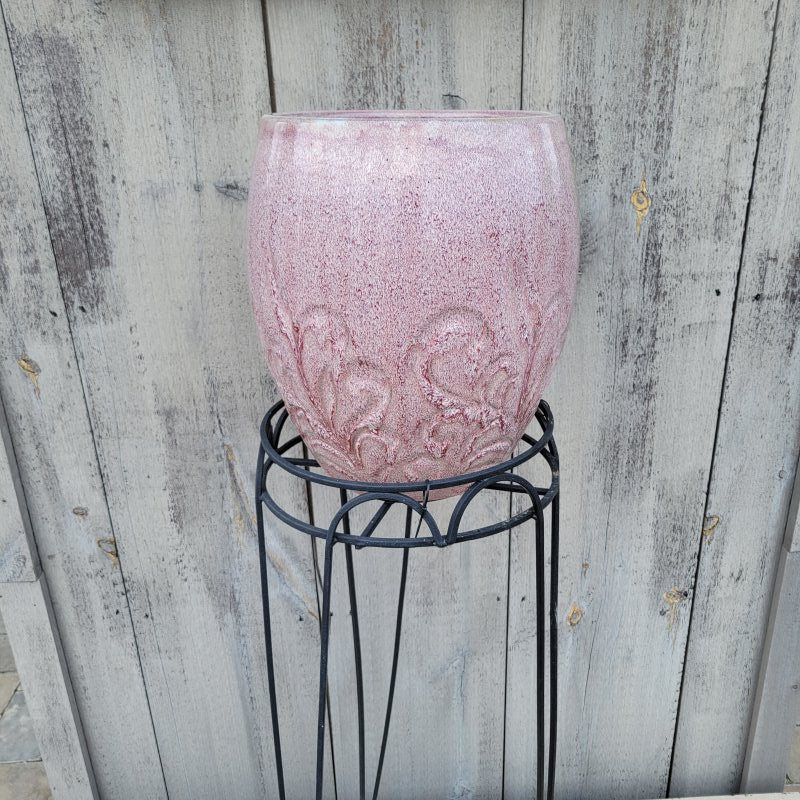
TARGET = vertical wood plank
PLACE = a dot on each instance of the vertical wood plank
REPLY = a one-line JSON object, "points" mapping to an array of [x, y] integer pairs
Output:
{"points": [[408, 54], [667, 93], [792, 538], [755, 456], [446, 737], [52, 441], [19, 560], [143, 118], [32, 629], [777, 695]]}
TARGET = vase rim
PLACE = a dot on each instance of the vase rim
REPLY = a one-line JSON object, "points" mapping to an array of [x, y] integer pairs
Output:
{"points": [[400, 115]]}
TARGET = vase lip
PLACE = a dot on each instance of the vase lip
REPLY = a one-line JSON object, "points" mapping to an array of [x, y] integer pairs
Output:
{"points": [[402, 115]]}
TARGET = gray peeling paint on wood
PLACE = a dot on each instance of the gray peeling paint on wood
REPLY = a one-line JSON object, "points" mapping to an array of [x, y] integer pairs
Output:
{"points": [[124, 104], [28, 614], [755, 457], [19, 559], [52, 440], [651, 92]]}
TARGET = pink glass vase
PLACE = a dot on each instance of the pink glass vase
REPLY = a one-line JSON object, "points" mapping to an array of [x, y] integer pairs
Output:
{"points": [[412, 276]]}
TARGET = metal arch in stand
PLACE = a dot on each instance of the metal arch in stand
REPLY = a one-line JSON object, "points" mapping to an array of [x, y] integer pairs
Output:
{"points": [[272, 455]]}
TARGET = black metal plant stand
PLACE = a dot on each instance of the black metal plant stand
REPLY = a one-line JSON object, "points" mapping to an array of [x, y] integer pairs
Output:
{"points": [[272, 455]]}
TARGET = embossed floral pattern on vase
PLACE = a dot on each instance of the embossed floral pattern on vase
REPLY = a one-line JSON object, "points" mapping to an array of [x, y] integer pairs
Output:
{"points": [[412, 278]]}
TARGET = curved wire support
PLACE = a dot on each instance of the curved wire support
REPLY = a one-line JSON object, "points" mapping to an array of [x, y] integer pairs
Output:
{"points": [[274, 449], [388, 498], [490, 478], [505, 480]]}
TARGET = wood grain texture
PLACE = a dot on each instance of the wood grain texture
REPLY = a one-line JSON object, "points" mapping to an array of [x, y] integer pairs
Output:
{"points": [[792, 538], [52, 440], [756, 453], [19, 559], [651, 91], [777, 695], [32, 628], [408, 54], [769, 796], [446, 737], [143, 119]]}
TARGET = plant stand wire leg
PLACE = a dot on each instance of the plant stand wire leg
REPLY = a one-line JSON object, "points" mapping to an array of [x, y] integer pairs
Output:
{"points": [[351, 585], [262, 559], [325, 631], [395, 658], [539, 654], [551, 765]]}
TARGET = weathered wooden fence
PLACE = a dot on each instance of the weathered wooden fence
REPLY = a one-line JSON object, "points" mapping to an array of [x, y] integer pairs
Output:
{"points": [[132, 385]]}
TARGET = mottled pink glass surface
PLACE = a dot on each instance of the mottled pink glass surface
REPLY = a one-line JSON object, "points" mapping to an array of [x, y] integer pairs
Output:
{"points": [[412, 276]]}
